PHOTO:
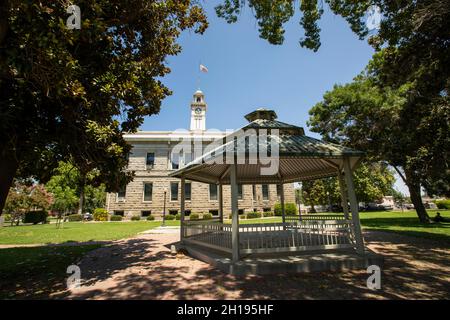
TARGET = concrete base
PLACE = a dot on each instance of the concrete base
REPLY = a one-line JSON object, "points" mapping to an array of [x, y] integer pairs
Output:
{"points": [[263, 264]]}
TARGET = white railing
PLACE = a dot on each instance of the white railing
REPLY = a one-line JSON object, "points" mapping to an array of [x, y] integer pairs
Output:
{"points": [[272, 237], [319, 217], [212, 234]]}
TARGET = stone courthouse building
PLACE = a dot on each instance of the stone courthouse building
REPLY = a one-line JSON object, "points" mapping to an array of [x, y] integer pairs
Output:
{"points": [[152, 191]]}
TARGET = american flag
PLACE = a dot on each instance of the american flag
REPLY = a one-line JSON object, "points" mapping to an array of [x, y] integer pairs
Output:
{"points": [[203, 69]]}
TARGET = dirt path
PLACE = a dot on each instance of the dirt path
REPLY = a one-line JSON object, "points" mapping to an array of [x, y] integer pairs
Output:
{"points": [[144, 268]]}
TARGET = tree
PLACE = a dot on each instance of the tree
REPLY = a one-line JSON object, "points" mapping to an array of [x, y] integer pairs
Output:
{"points": [[413, 139], [372, 182], [25, 196], [71, 94], [68, 190]]}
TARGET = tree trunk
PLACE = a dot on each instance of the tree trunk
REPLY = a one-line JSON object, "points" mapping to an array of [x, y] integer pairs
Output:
{"points": [[81, 202], [416, 198], [8, 169]]}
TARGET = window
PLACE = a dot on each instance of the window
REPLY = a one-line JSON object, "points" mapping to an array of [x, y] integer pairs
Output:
{"points": [[119, 213], [148, 191], [214, 212], [150, 160], [187, 158], [278, 190], [241, 211], [174, 191], [213, 192], [187, 191], [146, 213], [265, 191], [240, 196], [267, 209], [122, 194], [175, 161], [173, 212], [187, 212]]}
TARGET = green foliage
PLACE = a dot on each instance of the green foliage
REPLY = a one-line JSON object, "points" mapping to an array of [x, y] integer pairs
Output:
{"points": [[84, 88], [207, 216], [178, 216], [268, 214], [35, 217], [75, 217], [135, 218], [100, 214], [290, 209], [169, 217], [7, 217], [194, 216], [254, 215], [115, 217], [150, 218], [443, 204]]}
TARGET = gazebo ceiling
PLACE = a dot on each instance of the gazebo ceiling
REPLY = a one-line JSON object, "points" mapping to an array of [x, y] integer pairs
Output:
{"points": [[299, 157]]}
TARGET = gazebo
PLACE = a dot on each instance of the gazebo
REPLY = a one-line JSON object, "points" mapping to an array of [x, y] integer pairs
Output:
{"points": [[267, 151]]}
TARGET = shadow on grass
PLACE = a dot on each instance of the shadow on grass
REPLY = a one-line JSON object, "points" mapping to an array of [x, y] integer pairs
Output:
{"points": [[37, 272]]}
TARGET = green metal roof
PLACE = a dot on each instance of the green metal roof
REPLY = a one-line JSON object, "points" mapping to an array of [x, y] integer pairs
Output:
{"points": [[313, 158]]}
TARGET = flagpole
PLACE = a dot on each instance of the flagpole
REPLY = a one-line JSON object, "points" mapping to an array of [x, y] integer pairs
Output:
{"points": [[198, 74]]}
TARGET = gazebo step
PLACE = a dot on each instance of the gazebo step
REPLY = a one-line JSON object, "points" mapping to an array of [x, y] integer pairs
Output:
{"points": [[287, 263]]}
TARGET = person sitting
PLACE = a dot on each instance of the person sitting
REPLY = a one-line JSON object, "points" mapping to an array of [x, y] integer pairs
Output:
{"points": [[439, 218]]}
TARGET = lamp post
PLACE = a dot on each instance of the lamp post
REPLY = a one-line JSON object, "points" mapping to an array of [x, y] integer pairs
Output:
{"points": [[164, 208]]}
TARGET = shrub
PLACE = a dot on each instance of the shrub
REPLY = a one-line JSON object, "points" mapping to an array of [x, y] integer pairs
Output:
{"points": [[35, 217], [150, 218], [207, 216], [169, 217], [254, 215], [135, 218], [74, 217], [178, 216], [194, 216], [100, 214], [7, 217], [443, 204], [242, 216], [115, 217], [268, 214], [290, 208]]}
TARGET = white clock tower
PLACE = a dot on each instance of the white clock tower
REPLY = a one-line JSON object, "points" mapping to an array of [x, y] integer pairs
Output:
{"points": [[198, 112]]}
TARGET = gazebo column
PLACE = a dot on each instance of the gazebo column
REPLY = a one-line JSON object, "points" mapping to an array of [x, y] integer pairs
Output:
{"points": [[283, 209], [234, 213], [182, 208], [353, 206], [344, 200], [220, 202]]}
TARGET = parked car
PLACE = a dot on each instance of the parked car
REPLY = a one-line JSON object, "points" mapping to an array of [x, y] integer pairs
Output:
{"points": [[408, 206], [88, 216], [386, 207]]}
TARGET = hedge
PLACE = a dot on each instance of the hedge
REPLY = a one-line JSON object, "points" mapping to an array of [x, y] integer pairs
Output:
{"points": [[100, 214], [207, 216], [170, 217], [150, 218], [268, 214], [35, 217], [443, 204], [75, 217], [254, 215], [194, 216], [115, 217], [135, 218], [290, 208], [178, 216]]}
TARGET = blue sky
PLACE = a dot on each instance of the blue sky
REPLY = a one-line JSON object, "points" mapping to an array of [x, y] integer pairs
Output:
{"points": [[246, 72]]}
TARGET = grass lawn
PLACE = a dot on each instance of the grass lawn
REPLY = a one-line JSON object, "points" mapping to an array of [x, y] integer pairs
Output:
{"points": [[74, 231], [36, 272], [405, 223]]}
